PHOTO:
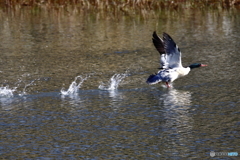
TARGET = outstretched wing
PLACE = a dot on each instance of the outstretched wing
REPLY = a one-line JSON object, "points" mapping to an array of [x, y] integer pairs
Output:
{"points": [[159, 45], [173, 53]]}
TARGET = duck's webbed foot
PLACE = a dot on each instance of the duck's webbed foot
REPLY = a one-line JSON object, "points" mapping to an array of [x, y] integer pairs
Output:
{"points": [[168, 85]]}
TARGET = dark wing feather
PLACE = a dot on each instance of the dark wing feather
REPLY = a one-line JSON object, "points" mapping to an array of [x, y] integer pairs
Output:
{"points": [[158, 43], [153, 79], [172, 51]]}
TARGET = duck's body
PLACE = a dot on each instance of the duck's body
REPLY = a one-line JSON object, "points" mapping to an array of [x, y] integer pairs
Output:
{"points": [[168, 75], [170, 60]]}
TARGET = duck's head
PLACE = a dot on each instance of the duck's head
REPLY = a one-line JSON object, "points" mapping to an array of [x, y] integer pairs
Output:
{"points": [[196, 65]]}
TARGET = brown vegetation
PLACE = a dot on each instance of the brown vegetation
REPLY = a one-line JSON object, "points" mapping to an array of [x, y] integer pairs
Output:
{"points": [[124, 4]]}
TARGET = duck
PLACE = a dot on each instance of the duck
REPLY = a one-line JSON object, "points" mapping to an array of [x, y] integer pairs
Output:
{"points": [[170, 61]]}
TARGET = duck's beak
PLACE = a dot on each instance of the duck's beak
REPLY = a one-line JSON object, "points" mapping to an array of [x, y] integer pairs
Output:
{"points": [[204, 65]]}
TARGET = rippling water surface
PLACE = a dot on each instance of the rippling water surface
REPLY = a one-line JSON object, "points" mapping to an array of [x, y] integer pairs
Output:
{"points": [[73, 86]]}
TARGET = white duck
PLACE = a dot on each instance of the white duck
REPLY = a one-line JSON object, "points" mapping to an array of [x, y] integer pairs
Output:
{"points": [[170, 61]]}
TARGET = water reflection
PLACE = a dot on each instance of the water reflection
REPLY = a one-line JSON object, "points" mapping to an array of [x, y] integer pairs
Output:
{"points": [[12, 103], [73, 100], [178, 121], [6, 103], [175, 98], [116, 98]]}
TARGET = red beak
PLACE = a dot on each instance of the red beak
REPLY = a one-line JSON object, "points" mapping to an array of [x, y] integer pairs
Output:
{"points": [[203, 65]]}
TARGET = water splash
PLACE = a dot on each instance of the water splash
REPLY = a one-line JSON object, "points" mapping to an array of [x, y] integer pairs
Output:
{"points": [[6, 91], [114, 82], [22, 85], [27, 85], [74, 86]]}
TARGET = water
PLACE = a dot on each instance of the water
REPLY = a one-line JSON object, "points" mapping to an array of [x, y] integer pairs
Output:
{"points": [[73, 86], [114, 82], [6, 91]]}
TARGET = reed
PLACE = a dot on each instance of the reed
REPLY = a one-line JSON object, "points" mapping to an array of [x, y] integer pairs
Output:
{"points": [[124, 5]]}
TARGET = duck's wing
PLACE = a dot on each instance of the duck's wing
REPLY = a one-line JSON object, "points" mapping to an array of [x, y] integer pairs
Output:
{"points": [[165, 75], [154, 79], [173, 53], [159, 45]]}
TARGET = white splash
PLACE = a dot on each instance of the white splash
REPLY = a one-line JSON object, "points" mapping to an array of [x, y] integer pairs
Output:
{"points": [[114, 82], [74, 86], [6, 91]]}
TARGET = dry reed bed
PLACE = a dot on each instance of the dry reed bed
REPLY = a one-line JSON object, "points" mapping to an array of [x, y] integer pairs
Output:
{"points": [[125, 4], [115, 8]]}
